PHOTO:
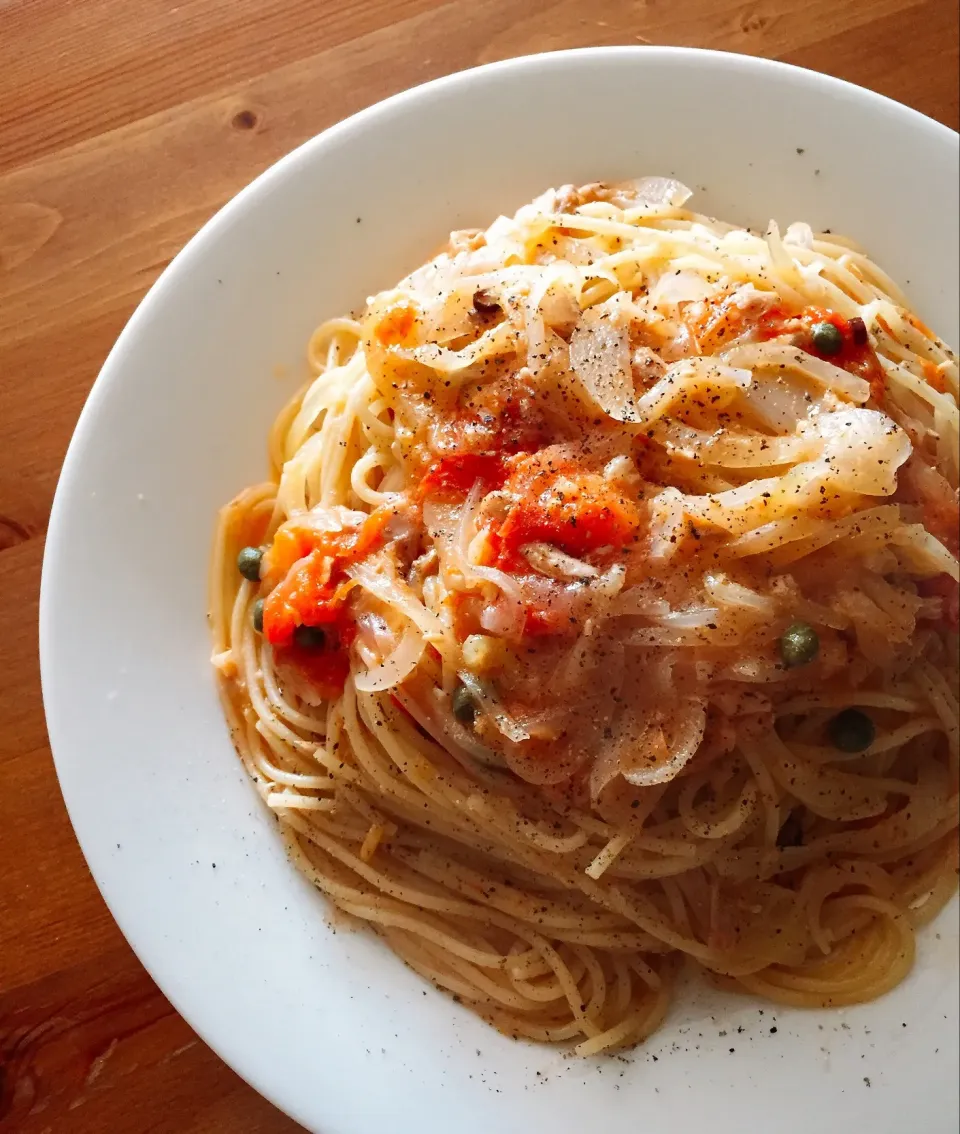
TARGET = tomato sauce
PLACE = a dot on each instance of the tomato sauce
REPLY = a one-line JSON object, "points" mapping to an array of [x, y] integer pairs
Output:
{"points": [[574, 510], [314, 591], [452, 477]]}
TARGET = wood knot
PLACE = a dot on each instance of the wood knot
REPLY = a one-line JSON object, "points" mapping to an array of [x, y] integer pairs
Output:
{"points": [[754, 20], [244, 120], [12, 532]]}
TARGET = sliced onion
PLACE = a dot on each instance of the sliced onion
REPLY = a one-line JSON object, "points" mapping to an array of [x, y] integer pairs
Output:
{"points": [[648, 750], [687, 619], [536, 332], [396, 667], [800, 234], [623, 471], [647, 366], [600, 357], [660, 192], [394, 593], [778, 254], [559, 305], [667, 521], [489, 703], [499, 618], [680, 286], [374, 634], [331, 518], [511, 600], [550, 560], [683, 734], [578, 601], [684, 379], [636, 600], [780, 356], [499, 340], [924, 552], [780, 402], [726, 592], [452, 530], [863, 449], [608, 586], [861, 452], [734, 450], [552, 302]]}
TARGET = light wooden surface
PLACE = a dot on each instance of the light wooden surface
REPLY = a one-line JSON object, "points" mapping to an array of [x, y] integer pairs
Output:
{"points": [[123, 126]]}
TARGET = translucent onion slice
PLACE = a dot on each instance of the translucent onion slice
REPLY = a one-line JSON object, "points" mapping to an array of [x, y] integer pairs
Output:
{"points": [[726, 592], [600, 357], [780, 356], [781, 403], [682, 734], [512, 613], [489, 703], [684, 380], [652, 750], [687, 619], [658, 192], [456, 364], [393, 592], [681, 286], [731, 449], [800, 234], [924, 553], [396, 667], [550, 560]]}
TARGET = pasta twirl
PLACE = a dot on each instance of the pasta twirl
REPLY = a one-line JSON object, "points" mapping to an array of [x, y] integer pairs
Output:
{"points": [[600, 611]]}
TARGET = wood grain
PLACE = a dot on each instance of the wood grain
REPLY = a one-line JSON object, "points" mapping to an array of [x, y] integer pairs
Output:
{"points": [[122, 128]]}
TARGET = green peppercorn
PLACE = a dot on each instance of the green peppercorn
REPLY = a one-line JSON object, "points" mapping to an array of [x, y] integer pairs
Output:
{"points": [[309, 637], [851, 731], [248, 563], [463, 707], [827, 338], [799, 645], [258, 616]]}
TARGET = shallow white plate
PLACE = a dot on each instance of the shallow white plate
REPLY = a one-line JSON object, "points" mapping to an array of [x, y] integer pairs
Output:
{"points": [[330, 1026]]}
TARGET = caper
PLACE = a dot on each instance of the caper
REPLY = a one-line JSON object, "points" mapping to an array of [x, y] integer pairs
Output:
{"points": [[309, 637], [248, 563], [851, 731], [258, 616], [462, 704], [799, 645], [827, 338]]}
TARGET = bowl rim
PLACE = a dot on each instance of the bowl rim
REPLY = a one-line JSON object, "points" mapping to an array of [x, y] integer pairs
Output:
{"points": [[111, 372]]}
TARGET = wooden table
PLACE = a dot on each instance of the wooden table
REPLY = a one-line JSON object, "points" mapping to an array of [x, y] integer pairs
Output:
{"points": [[123, 126]]}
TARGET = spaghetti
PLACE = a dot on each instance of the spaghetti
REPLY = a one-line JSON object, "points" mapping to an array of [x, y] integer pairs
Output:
{"points": [[600, 613]]}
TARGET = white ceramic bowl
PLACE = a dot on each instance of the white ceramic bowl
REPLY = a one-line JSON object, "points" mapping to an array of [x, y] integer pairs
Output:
{"points": [[331, 1026]]}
